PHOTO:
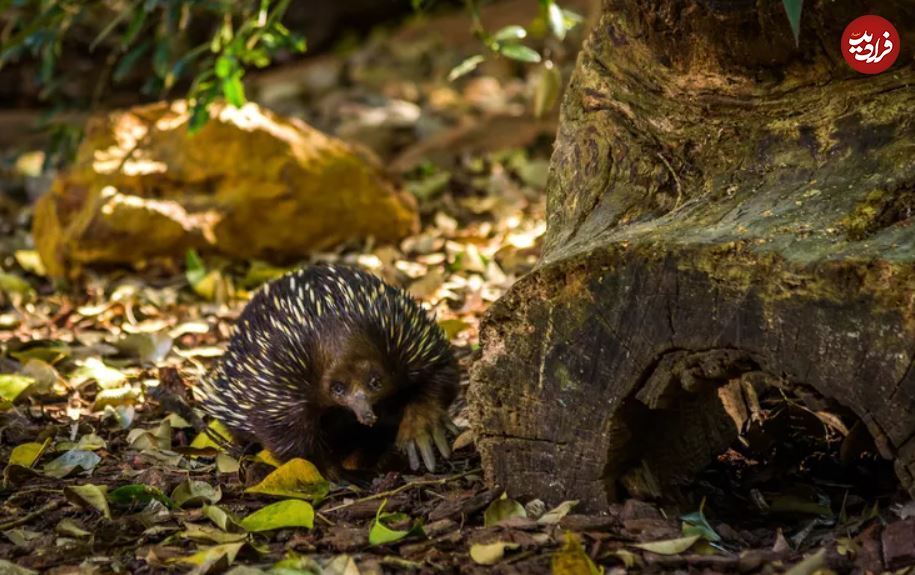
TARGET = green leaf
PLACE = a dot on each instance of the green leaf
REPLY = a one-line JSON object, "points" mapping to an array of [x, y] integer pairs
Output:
{"points": [[89, 496], [70, 461], [138, 495], [12, 385], [200, 115], [509, 34], [134, 28], [289, 513], [225, 66], [380, 534], [234, 90], [556, 19], [13, 284], [793, 10], [695, 523], [195, 268], [502, 509], [519, 52], [129, 60], [465, 67]]}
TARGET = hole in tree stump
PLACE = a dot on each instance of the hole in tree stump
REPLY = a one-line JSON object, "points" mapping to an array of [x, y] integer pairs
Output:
{"points": [[716, 425]]}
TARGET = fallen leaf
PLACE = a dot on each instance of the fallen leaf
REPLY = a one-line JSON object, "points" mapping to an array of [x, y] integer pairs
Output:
{"points": [[555, 515], [10, 568], [695, 523], [192, 491], [138, 495], [809, 565], [28, 453], [70, 461], [289, 513], [203, 440], [572, 559], [502, 509], [213, 557], [265, 456], [30, 261], [669, 546], [13, 284], [490, 553], [222, 518], [94, 369], [379, 533], [209, 534], [12, 385], [72, 528], [226, 463], [296, 478], [341, 565], [89, 496]]}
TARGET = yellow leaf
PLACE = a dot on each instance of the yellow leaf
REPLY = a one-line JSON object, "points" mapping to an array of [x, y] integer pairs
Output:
{"points": [[30, 261], [228, 551], [12, 385], [296, 478], [203, 440], [265, 456], [28, 453], [572, 559], [490, 553], [89, 496], [669, 546]]}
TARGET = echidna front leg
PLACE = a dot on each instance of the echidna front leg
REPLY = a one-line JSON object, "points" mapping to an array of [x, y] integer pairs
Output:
{"points": [[424, 423]]}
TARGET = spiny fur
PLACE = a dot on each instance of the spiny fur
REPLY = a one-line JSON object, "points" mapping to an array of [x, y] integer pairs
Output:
{"points": [[261, 386]]}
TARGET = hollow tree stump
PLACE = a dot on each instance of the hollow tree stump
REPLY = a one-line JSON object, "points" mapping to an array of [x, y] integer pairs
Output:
{"points": [[726, 212]]}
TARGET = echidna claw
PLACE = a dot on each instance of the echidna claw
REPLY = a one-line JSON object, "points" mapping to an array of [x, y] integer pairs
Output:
{"points": [[424, 442], [441, 441], [410, 448]]}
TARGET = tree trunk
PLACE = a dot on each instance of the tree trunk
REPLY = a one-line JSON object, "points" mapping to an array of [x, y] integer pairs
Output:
{"points": [[728, 214]]}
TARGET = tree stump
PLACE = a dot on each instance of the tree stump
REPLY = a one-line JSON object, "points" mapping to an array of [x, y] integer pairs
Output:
{"points": [[728, 213]]}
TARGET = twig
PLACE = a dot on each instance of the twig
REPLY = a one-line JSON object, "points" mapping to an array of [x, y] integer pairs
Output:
{"points": [[29, 516], [676, 179], [404, 487]]}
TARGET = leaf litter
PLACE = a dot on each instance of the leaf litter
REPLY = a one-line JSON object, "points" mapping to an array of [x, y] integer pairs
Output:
{"points": [[98, 477]]}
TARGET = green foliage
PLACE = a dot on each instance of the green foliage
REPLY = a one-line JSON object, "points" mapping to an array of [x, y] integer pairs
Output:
{"points": [[793, 10], [155, 35], [507, 41]]}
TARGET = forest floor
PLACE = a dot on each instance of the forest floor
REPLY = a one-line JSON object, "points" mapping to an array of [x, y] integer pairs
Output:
{"points": [[101, 479]]}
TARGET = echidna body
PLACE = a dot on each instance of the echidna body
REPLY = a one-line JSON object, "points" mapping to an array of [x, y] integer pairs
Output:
{"points": [[329, 362]]}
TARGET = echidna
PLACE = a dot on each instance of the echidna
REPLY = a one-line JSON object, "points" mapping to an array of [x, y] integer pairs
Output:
{"points": [[328, 363]]}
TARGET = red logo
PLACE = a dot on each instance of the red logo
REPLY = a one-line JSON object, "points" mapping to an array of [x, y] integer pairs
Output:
{"points": [[870, 44]]}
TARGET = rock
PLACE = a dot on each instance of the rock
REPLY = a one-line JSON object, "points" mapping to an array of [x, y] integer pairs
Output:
{"points": [[249, 184], [899, 544]]}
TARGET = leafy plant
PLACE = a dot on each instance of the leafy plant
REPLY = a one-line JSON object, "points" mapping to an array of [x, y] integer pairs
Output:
{"points": [[507, 41], [152, 34]]}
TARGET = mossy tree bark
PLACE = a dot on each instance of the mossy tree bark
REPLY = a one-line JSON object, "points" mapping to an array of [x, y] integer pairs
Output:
{"points": [[727, 212]]}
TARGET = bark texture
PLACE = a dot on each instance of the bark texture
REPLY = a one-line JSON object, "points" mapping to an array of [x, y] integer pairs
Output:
{"points": [[727, 213]]}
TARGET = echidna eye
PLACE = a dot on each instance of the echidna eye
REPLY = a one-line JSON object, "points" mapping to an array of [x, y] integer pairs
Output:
{"points": [[337, 388], [375, 383]]}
